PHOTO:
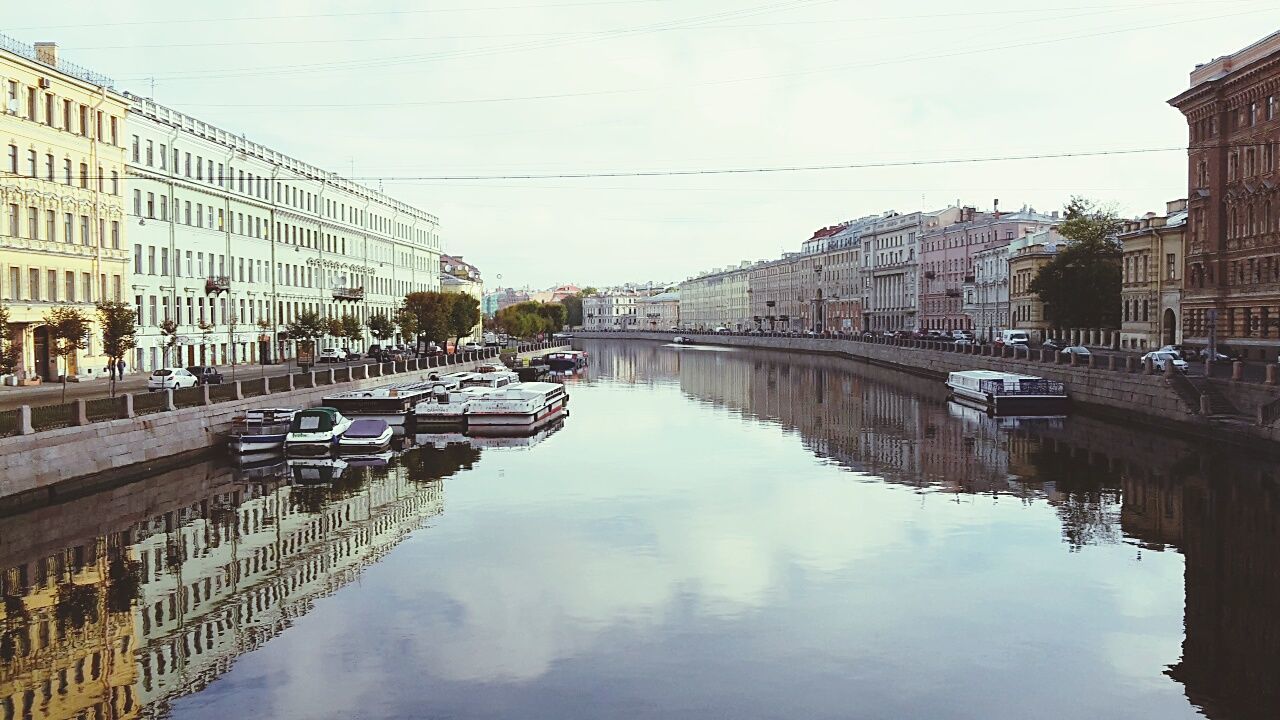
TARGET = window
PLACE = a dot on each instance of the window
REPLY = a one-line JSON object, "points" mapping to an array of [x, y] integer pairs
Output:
{"points": [[13, 159], [151, 205], [33, 284], [84, 176], [164, 158], [84, 120], [66, 115], [31, 163], [68, 228], [137, 149], [66, 169], [164, 261], [186, 164], [33, 223], [137, 202], [115, 128], [151, 259], [53, 285], [186, 212], [48, 167], [71, 287], [199, 215], [115, 183], [199, 168], [84, 230], [115, 237]]}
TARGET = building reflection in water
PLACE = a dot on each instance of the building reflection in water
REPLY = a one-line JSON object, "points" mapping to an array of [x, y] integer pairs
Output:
{"points": [[119, 602], [1219, 507]]}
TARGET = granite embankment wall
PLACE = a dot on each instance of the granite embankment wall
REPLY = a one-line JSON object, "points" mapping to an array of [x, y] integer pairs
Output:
{"points": [[1126, 393], [40, 460]]}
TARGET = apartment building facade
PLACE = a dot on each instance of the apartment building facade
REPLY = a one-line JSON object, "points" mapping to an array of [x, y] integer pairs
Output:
{"points": [[232, 240], [891, 265], [1231, 293], [1151, 280], [1027, 255], [610, 311], [459, 276], [717, 299], [947, 255], [61, 213]]}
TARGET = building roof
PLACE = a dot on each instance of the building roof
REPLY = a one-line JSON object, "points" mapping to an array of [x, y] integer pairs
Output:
{"points": [[672, 296]]}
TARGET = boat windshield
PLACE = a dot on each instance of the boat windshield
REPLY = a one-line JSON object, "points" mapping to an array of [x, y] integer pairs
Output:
{"points": [[312, 422]]}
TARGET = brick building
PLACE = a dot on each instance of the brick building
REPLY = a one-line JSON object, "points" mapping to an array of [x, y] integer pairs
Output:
{"points": [[1232, 260]]}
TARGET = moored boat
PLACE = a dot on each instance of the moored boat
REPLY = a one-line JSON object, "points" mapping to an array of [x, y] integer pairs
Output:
{"points": [[491, 376], [260, 430], [682, 340], [566, 361], [517, 407], [365, 435], [315, 431], [391, 404], [1008, 393]]}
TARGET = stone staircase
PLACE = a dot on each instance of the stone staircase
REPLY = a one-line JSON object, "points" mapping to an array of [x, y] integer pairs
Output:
{"points": [[1194, 390]]}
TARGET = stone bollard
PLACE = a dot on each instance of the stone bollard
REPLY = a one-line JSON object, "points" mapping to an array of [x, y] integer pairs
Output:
{"points": [[128, 405], [168, 402], [1206, 406], [1113, 362], [1130, 364], [1208, 368], [290, 382], [1272, 370], [239, 391], [82, 414], [1148, 367], [24, 420], [1169, 368], [266, 386], [1237, 371], [204, 395], [311, 378], [1073, 359], [333, 375], [1095, 361]]}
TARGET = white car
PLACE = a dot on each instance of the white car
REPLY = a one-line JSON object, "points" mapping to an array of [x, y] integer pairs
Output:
{"points": [[471, 347], [722, 330], [1159, 358], [170, 378], [330, 355]]}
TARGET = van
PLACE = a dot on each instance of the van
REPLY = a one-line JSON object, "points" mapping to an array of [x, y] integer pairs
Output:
{"points": [[1014, 337]]}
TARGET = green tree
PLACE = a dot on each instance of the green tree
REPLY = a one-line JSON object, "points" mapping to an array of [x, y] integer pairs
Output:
{"points": [[169, 331], [431, 310], [306, 327], [206, 332], [573, 310], [464, 315], [407, 320], [529, 318], [381, 327], [119, 333], [333, 328], [352, 329], [69, 331], [8, 348], [1080, 287]]}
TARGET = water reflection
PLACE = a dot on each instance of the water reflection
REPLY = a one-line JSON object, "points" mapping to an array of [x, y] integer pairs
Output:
{"points": [[669, 555]]}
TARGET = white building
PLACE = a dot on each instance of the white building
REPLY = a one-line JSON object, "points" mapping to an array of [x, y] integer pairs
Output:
{"points": [[891, 264], [987, 297], [610, 311], [232, 240], [719, 298]]}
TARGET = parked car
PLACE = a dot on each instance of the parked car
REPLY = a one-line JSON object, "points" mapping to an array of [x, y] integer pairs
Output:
{"points": [[170, 379], [1215, 356], [374, 352], [1175, 349], [206, 374], [722, 329], [1014, 337], [961, 342], [471, 347], [350, 354], [1160, 359], [331, 355], [1076, 350], [1051, 344]]}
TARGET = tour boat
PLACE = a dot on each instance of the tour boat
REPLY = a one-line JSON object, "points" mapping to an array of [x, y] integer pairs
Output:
{"points": [[260, 430], [365, 434], [448, 408], [1008, 393], [491, 376], [391, 404], [526, 405], [566, 361], [315, 431]]}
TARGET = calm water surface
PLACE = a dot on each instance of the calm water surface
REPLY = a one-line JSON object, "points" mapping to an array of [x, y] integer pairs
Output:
{"points": [[712, 533]]}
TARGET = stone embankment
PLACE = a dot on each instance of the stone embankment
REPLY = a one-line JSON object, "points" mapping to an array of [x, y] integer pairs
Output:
{"points": [[30, 461], [1112, 386]]}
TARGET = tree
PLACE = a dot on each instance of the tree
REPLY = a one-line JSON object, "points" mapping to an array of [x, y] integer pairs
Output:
{"points": [[529, 318], [119, 333], [351, 329], [1080, 287], [206, 331], [431, 310], [381, 327], [573, 309], [407, 320], [69, 332], [464, 315], [8, 348], [233, 323], [169, 331], [333, 328], [306, 327]]}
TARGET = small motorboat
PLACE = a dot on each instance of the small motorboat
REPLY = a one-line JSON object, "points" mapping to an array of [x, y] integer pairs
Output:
{"points": [[315, 431], [365, 435], [566, 361], [682, 340], [261, 430]]}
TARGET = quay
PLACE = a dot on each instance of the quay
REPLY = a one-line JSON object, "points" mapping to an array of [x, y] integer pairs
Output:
{"points": [[150, 431], [1233, 411]]}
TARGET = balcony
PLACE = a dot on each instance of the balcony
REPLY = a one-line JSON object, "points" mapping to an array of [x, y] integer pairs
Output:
{"points": [[217, 284], [348, 293], [953, 292], [929, 274]]}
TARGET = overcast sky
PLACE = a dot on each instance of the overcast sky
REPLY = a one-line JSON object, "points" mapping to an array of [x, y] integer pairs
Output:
{"points": [[406, 93]]}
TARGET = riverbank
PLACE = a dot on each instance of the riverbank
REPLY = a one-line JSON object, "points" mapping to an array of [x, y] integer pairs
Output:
{"points": [[1123, 391], [33, 461]]}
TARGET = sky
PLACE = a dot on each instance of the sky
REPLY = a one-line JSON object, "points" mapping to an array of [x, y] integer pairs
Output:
{"points": [[413, 97]]}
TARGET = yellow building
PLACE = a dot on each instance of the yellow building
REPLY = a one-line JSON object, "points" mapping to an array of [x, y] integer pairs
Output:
{"points": [[458, 276], [1151, 294], [1027, 255], [61, 200]]}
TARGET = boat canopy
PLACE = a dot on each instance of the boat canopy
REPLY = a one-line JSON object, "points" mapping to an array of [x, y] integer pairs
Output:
{"points": [[366, 428], [321, 419]]}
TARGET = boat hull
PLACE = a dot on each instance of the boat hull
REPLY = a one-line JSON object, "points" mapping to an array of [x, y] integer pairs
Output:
{"points": [[1010, 404], [247, 444], [517, 419]]}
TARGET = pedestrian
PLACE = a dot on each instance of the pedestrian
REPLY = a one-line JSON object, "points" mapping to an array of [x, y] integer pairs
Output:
{"points": [[120, 369]]}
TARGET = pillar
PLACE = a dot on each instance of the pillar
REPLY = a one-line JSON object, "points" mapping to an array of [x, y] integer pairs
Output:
{"points": [[311, 378], [1113, 362], [168, 403], [290, 382], [82, 414], [204, 395], [1272, 370], [1148, 367], [266, 386], [24, 420], [1073, 359], [333, 377], [1237, 371], [128, 405], [1130, 364], [1206, 407], [1169, 369]]}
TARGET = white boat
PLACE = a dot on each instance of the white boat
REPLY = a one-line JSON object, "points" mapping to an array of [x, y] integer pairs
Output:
{"points": [[448, 409], [366, 435], [491, 376], [315, 431], [1008, 393], [517, 407], [260, 430]]}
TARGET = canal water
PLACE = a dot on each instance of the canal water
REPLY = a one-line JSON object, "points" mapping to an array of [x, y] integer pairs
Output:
{"points": [[711, 533]]}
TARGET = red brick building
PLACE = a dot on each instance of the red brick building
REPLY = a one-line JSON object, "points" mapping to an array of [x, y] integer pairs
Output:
{"points": [[1232, 259]]}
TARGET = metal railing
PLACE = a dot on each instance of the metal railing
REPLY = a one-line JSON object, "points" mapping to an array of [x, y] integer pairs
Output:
{"points": [[8, 422], [151, 402], [68, 68], [49, 417], [1269, 413], [107, 408]]}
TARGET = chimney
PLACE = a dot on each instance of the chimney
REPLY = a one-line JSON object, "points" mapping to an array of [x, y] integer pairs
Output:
{"points": [[47, 53], [995, 208]]}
